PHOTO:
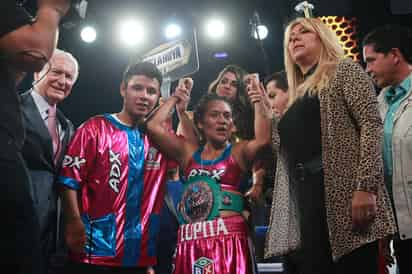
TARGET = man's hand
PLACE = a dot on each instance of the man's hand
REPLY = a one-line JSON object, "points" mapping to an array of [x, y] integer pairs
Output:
{"points": [[61, 6], [75, 235], [363, 210], [183, 90]]}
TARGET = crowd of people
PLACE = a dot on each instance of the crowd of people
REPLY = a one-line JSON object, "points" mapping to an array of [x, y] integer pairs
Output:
{"points": [[126, 192]]}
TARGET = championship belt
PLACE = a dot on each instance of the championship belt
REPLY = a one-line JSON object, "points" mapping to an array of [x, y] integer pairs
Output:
{"points": [[202, 199]]}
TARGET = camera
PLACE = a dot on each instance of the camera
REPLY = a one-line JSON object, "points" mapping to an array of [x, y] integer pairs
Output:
{"points": [[76, 13]]}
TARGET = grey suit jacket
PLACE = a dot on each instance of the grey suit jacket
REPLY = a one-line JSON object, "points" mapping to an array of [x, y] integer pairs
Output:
{"points": [[38, 154]]}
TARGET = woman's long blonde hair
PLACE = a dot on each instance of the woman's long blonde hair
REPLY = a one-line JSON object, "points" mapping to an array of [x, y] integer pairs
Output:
{"points": [[330, 54]]}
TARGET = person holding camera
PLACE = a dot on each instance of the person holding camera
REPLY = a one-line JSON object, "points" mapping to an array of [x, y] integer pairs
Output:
{"points": [[26, 44]]}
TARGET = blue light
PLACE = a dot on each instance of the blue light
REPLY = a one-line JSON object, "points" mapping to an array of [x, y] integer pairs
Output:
{"points": [[221, 55]]}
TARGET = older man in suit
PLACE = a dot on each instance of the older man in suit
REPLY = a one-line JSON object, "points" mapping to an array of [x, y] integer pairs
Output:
{"points": [[48, 132]]}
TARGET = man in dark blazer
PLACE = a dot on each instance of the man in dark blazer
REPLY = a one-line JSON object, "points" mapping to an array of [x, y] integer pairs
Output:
{"points": [[43, 157], [26, 44]]}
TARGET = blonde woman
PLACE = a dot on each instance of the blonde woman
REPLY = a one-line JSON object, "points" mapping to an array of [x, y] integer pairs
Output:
{"points": [[330, 139]]}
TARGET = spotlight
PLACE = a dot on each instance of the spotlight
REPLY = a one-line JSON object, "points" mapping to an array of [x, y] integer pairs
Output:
{"points": [[172, 31], [215, 28], [131, 32], [262, 30], [88, 34]]}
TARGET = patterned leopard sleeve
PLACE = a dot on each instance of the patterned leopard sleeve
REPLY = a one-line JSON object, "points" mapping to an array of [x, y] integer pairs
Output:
{"points": [[358, 93]]}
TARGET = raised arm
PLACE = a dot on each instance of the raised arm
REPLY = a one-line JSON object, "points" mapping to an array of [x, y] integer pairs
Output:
{"points": [[262, 124], [186, 127], [174, 147]]}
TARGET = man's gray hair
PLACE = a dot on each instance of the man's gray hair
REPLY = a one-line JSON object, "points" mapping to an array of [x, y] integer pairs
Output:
{"points": [[67, 55]]}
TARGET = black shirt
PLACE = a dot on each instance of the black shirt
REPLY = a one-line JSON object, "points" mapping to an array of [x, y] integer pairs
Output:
{"points": [[11, 17], [299, 130]]}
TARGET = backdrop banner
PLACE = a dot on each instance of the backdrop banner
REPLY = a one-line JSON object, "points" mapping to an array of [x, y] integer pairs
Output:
{"points": [[175, 59]]}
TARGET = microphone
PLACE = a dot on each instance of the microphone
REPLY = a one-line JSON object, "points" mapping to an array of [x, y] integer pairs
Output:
{"points": [[256, 18], [255, 24]]}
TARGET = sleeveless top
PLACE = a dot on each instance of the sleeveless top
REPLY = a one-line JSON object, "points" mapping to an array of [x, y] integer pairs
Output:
{"points": [[224, 169]]}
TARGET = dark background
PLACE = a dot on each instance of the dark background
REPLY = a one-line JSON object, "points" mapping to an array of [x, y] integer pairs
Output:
{"points": [[102, 62]]}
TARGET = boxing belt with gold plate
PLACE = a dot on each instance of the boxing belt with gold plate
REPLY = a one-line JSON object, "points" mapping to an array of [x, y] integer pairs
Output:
{"points": [[203, 198]]}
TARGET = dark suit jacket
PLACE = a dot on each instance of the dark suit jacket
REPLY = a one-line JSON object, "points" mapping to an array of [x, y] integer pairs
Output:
{"points": [[38, 154]]}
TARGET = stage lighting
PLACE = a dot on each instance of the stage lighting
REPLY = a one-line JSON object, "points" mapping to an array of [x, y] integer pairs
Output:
{"points": [[221, 55], [172, 31], [215, 28], [262, 30], [131, 32], [88, 34]]}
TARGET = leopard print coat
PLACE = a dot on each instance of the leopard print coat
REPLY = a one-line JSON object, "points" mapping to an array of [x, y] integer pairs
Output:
{"points": [[351, 153]]}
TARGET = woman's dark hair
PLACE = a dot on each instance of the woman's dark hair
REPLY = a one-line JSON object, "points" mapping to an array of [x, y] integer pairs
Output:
{"points": [[203, 104], [239, 74], [280, 80], [201, 108], [243, 116]]}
